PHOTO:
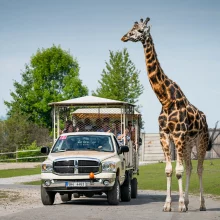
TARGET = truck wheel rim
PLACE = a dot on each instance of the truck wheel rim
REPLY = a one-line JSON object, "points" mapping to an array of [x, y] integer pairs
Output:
{"points": [[129, 188], [118, 192]]}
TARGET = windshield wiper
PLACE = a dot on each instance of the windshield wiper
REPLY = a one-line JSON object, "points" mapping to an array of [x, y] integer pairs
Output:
{"points": [[63, 150], [88, 148]]}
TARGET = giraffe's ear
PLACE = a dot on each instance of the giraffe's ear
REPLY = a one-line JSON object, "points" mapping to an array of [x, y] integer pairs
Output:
{"points": [[141, 20]]}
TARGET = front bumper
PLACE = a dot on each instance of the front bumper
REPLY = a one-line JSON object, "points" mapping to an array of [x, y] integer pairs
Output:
{"points": [[101, 183]]}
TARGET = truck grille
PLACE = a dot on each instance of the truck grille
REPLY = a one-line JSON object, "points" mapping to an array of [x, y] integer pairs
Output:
{"points": [[69, 167]]}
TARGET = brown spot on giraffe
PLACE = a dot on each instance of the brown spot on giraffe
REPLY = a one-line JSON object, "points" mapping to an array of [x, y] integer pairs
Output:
{"points": [[179, 120]]}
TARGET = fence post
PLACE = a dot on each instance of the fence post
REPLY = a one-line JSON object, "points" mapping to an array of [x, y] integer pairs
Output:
{"points": [[143, 146], [16, 153]]}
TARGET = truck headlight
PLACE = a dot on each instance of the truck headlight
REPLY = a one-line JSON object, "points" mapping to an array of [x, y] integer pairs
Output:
{"points": [[109, 166], [46, 168]]}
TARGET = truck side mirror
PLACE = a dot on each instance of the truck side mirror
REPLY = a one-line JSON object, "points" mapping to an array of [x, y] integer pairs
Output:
{"points": [[45, 150], [123, 149]]}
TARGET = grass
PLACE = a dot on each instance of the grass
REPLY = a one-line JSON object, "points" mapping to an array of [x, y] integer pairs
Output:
{"points": [[152, 177], [19, 172], [38, 182]]}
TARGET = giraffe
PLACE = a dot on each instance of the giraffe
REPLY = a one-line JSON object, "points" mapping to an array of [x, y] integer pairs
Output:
{"points": [[179, 120]]}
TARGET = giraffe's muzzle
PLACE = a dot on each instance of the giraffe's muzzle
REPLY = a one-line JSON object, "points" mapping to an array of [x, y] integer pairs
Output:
{"points": [[124, 38]]}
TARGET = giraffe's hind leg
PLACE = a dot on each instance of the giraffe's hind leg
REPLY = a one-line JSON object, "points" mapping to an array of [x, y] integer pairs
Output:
{"points": [[188, 165], [201, 150]]}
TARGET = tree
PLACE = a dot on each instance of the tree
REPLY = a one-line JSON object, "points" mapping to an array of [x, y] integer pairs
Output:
{"points": [[53, 75], [120, 79], [17, 132]]}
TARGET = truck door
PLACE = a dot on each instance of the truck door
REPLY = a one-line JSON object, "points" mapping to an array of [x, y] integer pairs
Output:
{"points": [[123, 162]]}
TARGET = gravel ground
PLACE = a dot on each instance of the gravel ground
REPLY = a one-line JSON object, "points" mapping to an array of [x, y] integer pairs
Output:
{"points": [[6, 166], [19, 179], [13, 200]]}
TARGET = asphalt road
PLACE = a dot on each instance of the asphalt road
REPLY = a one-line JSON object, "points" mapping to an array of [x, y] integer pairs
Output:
{"points": [[148, 205]]}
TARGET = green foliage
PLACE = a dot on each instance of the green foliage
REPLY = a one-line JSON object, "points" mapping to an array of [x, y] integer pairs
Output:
{"points": [[120, 79], [52, 75], [17, 133], [23, 156]]}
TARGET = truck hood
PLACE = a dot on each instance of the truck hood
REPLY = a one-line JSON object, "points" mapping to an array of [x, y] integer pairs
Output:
{"points": [[82, 155]]}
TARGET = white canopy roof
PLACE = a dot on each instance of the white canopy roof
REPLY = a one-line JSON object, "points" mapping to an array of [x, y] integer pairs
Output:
{"points": [[90, 101], [101, 111]]}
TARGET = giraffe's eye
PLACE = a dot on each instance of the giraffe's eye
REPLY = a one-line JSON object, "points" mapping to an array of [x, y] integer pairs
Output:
{"points": [[140, 31]]}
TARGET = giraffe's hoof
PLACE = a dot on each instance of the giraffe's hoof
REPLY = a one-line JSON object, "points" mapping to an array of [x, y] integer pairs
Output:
{"points": [[202, 208], [186, 204], [182, 208], [167, 207]]}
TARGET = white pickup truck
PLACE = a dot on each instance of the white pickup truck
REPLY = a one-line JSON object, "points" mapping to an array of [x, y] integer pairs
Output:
{"points": [[87, 161], [84, 164]]}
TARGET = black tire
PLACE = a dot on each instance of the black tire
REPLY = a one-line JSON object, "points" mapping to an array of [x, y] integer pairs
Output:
{"points": [[47, 198], [76, 195], [89, 194], [66, 197], [113, 195], [126, 190], [134, 191]]}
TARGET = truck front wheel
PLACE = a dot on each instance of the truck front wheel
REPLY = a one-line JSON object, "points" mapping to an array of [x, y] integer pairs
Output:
{"points": [[113, 195], [47, 198]]}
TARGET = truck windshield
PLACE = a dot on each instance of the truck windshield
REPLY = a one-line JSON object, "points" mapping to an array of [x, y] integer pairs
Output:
{"points": [[83, 143]]}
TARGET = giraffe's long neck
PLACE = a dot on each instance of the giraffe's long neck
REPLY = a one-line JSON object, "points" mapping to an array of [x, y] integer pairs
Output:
{"points": [[163, 87]]}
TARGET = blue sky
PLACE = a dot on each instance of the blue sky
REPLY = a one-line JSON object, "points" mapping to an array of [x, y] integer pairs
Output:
{"points": [[186, 36]]}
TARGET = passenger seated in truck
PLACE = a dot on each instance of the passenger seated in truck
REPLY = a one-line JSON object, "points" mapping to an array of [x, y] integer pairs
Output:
{"points": [[88, 124], [80, 126], [105, 145], [98, 125], [68, 127], [131, 133], [123, 137], [105, 126]]}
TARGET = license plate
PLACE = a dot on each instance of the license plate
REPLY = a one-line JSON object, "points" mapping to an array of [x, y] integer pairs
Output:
{"points": [[75, 184]]}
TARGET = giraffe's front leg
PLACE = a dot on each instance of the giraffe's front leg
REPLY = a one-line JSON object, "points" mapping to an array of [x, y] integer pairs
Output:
{"points": [[179, 175], [168, 171], [164, 139], [179, 143]]}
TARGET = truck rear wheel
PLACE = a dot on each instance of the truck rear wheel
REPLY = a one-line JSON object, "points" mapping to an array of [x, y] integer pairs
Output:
{"points": [[134, 191], [113, 195], [47, 198], [66, 197], [126, 190]]}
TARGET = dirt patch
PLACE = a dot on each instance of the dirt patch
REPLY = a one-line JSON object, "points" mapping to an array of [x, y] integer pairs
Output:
{"points": [[17, 200]]}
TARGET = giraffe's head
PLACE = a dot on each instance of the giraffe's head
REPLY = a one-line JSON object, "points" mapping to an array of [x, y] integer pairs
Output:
{"points": [[139, 32]]}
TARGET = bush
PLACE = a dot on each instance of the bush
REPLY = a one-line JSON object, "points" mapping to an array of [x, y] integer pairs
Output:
{"points": [[23, 155]]}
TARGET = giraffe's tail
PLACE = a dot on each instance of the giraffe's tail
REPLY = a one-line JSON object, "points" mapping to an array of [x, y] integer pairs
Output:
{"points": [[213, 137]]}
